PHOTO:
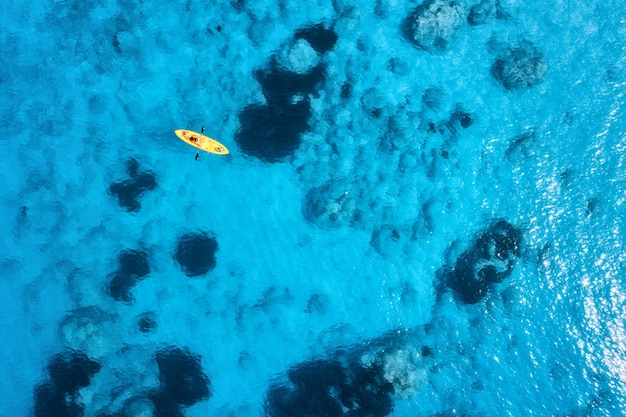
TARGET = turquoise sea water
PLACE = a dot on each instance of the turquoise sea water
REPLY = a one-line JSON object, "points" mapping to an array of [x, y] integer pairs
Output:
{"points": [[421, 215]]}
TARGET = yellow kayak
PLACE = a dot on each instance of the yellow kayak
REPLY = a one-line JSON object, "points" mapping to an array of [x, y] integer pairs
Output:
{"points": [[198, 140]]}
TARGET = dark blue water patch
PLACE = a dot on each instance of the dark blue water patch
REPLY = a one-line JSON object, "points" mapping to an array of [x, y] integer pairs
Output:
{"points": [[71, 371], [273, 132], [147, 322], [135, 263], [356, 380], [522, 66], [128, 192], [346, 90], [460, 117], [433, 24], [68, 372], [372, 392], [490, 260], [281, 86], [52, 403], [427, 351], [195, 253], [182, 379], [320, 38], [325, 387], [318, 388], [116, 44], [133, 266], [119, 287], [164, 405]]}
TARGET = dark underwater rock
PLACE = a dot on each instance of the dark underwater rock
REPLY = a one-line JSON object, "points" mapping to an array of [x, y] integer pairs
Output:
{"points": [[271, 132], [68, 372], [346, 90], [520, 67], [52, 403], [358, 380], [128, 192], [327, 388], [489, 261], [280, 87], [133, 266], [147, 322], [195, 253], [134, 262], [181, 376], [460, 116], [164, 405], [319, 37], [71, 371], [119, 287]]}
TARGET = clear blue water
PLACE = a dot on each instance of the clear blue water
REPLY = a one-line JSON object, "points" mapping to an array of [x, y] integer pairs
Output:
{"points": [[374, 146]]}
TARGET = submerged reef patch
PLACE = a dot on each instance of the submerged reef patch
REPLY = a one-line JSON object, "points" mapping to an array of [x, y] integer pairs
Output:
{"points": [[133, 267], [195, 253], [434, 23], [147, 322], [68, 372], [349, 382], [320, 38], [89, 330], [182, 379], [522, 66], [271, 131], [71, 371], [326, 388], [490, 260], [129, 191]]}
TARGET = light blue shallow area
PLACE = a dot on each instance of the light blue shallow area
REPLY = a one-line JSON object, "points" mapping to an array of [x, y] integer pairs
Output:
{"points": [[87, 85]]}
